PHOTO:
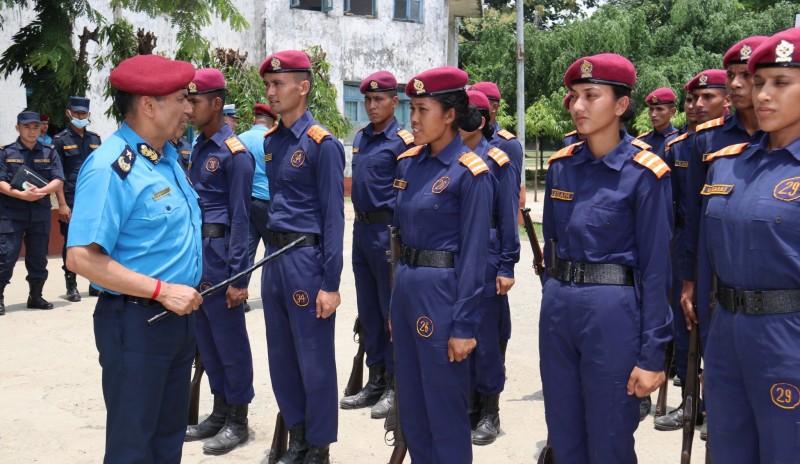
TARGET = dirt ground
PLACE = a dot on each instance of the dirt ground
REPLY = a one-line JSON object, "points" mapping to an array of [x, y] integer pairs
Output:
{"points": [[51, 394]]}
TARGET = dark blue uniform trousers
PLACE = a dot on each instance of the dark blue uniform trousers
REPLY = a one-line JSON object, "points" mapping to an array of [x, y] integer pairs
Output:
{"points": [[258, 226], [752, 376], [35, 236], [371, 270], [433, 392], [222, 332], [488, 374], [302, 363], [146, 373], [589, 339]]}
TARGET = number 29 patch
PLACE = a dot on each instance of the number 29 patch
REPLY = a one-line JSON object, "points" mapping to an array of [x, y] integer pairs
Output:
{"points": [[787, 190], [785, 395]]}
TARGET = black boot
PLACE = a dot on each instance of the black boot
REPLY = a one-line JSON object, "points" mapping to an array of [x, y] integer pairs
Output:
{"points": [[381, 408], [212, 424], [371, 393], [234, 432], [474, 408], [644, 407], [2, 302], [35, 299], [489, 425], [672, 421], [298, 446], [72, 287], [246, 306], [503, 348], [318, 455]]}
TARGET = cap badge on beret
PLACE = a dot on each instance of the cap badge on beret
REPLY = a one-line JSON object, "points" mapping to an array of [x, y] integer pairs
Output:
{"points": [[586, 69], [276, 64], [703, 80], [745, 52], [192, 87], [373, 84], [654, 99], [783, 52], [419, 86]]}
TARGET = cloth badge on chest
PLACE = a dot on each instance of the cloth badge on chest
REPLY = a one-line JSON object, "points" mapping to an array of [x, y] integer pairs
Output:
{"points": [[440, 185], [298, 158], [212, 164]]}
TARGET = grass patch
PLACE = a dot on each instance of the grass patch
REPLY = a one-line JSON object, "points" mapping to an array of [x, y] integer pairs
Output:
{"points": [[523, 236]]}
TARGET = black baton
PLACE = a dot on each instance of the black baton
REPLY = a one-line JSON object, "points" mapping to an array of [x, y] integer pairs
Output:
{"points": [[230, 280]]}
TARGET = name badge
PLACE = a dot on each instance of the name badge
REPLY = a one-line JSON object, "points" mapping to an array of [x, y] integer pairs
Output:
{"points": [[399, 184], [70, 147], [268, 157], [356, 150], [681, 164], [716, 189], [562, 195], [162, 193]]}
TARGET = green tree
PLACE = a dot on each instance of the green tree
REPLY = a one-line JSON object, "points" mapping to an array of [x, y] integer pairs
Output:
{"points": [[322, 100]]}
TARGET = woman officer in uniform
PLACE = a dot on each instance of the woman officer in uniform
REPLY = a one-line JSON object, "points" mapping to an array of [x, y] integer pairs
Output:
{"points": [[443, 210], [750, 234], [605, 321]]}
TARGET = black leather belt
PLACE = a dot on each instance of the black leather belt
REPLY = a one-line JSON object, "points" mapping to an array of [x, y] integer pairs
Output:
{"points": [[680, 221], [281, 239], [592, 273], [760, 301], [375, 217], [213, 230], [426, 258], [259, 199], [146, 302]]}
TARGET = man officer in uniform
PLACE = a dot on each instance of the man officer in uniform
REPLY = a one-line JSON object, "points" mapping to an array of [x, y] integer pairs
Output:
{"points": [[375, 151], [305, 167], [660, 108], [135, 234], [222, 175], [74, 144], [25, 213]]}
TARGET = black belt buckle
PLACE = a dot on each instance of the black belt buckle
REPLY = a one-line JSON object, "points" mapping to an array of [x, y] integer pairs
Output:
{"points": [[577, 272]]}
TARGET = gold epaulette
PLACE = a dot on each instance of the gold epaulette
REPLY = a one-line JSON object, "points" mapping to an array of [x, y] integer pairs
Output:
{"points": [[564, 152], [643, 145], [569, 134], [411, 152], [506, 134], [652, 162], [234, 145], [271, 130], [498, 155], [318, 133], [676, 140], [644, 135], [474, 163], [407, 137], [731, 150], [709, 124]]}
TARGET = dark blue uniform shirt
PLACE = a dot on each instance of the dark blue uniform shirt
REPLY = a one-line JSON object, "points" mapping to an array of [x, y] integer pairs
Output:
{"points": [[42, 159], [508, 142], [306, 188], [73, 150], [657, 139], [184, 149]]}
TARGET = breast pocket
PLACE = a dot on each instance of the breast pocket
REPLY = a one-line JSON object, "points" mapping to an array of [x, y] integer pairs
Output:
{"points": [[776, 227], [164, 210], [381, 167], [611, 227], [298, 173]]}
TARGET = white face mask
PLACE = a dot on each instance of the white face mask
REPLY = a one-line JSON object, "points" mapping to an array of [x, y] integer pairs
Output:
{"points": [[80, 123]]}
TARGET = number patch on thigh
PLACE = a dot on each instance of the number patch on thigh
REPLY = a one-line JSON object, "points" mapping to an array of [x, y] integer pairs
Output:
{"points": [[785, 395]]}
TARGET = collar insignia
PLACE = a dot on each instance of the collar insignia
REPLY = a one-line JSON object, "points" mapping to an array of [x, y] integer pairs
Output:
{"points": [[148, 152]]}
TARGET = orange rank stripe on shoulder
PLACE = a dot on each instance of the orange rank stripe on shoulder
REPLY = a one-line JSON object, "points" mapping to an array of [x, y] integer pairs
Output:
{"points": [[234, 145], [474, 163], [411, 152], [652, 162], [564, 152], [318, 133], [680, 138], [270, 131], [644, 135], [506, 134], [570, 133], [709, 124], [638, 143], [731, 150], [406, 136], [498, 155]]}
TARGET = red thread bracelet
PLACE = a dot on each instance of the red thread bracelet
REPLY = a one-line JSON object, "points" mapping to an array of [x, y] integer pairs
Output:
{"points": [[157, 290]]}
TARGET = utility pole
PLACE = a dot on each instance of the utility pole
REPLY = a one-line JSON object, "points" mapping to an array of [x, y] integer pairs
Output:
{"points": [[520, 4]]}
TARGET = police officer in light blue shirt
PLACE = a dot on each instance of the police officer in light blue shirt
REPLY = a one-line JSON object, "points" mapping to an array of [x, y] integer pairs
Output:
{"points": [[135, 233]]}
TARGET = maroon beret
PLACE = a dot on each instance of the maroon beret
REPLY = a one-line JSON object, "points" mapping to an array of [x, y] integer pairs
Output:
{"points": [[381, 81], [206, 80], [605, 68], [286, 61], [44, 117], [708, 79], [740, 53], [660, 96], [261, 108], [567, 99], [781, 49], [489, 89], [478, 99], [437, 81], [151, 75]]}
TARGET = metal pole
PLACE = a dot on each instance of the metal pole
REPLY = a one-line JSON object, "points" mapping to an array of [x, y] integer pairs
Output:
{"points": [[521, 87]]}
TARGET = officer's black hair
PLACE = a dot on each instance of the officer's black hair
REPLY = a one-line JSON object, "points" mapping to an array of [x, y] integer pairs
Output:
{"points": [[301, 76], [217, 93], [467, 118], [126, 102], [620, 92], [264, 118], [488, 129]]}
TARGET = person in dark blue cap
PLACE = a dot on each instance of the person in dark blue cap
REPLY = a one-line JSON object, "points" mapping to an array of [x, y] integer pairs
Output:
{"points": [[74, 144], [25, 209]]}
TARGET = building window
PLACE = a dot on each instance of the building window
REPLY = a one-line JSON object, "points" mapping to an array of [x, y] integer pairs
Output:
{"points": [[408, 10], [355, 112], [359, 8], [313, 5]]}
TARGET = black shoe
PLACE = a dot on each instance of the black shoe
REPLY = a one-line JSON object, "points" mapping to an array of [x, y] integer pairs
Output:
{"points": [[247, 307], [704, 430], [382, 407], [35, 300], [370, 394], [474, 409], [2, 302], [489, 425], [671, 421], [298, 446], [212, 424], [72, 287], [234, 432], [93, 291], [318, 455], [677, 382], [644, 408]]}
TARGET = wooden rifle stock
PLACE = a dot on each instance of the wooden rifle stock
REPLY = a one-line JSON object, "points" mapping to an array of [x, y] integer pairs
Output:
{"points": [[392, 423], [356, 381], [661, 402], [194, 389], [280, 439], [538, 255]]}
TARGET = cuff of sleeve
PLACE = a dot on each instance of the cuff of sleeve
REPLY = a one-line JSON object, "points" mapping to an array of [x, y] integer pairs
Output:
{"points": [[506, 271], [653, 362], [330, 285], [463, 330], [241, 283]]}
